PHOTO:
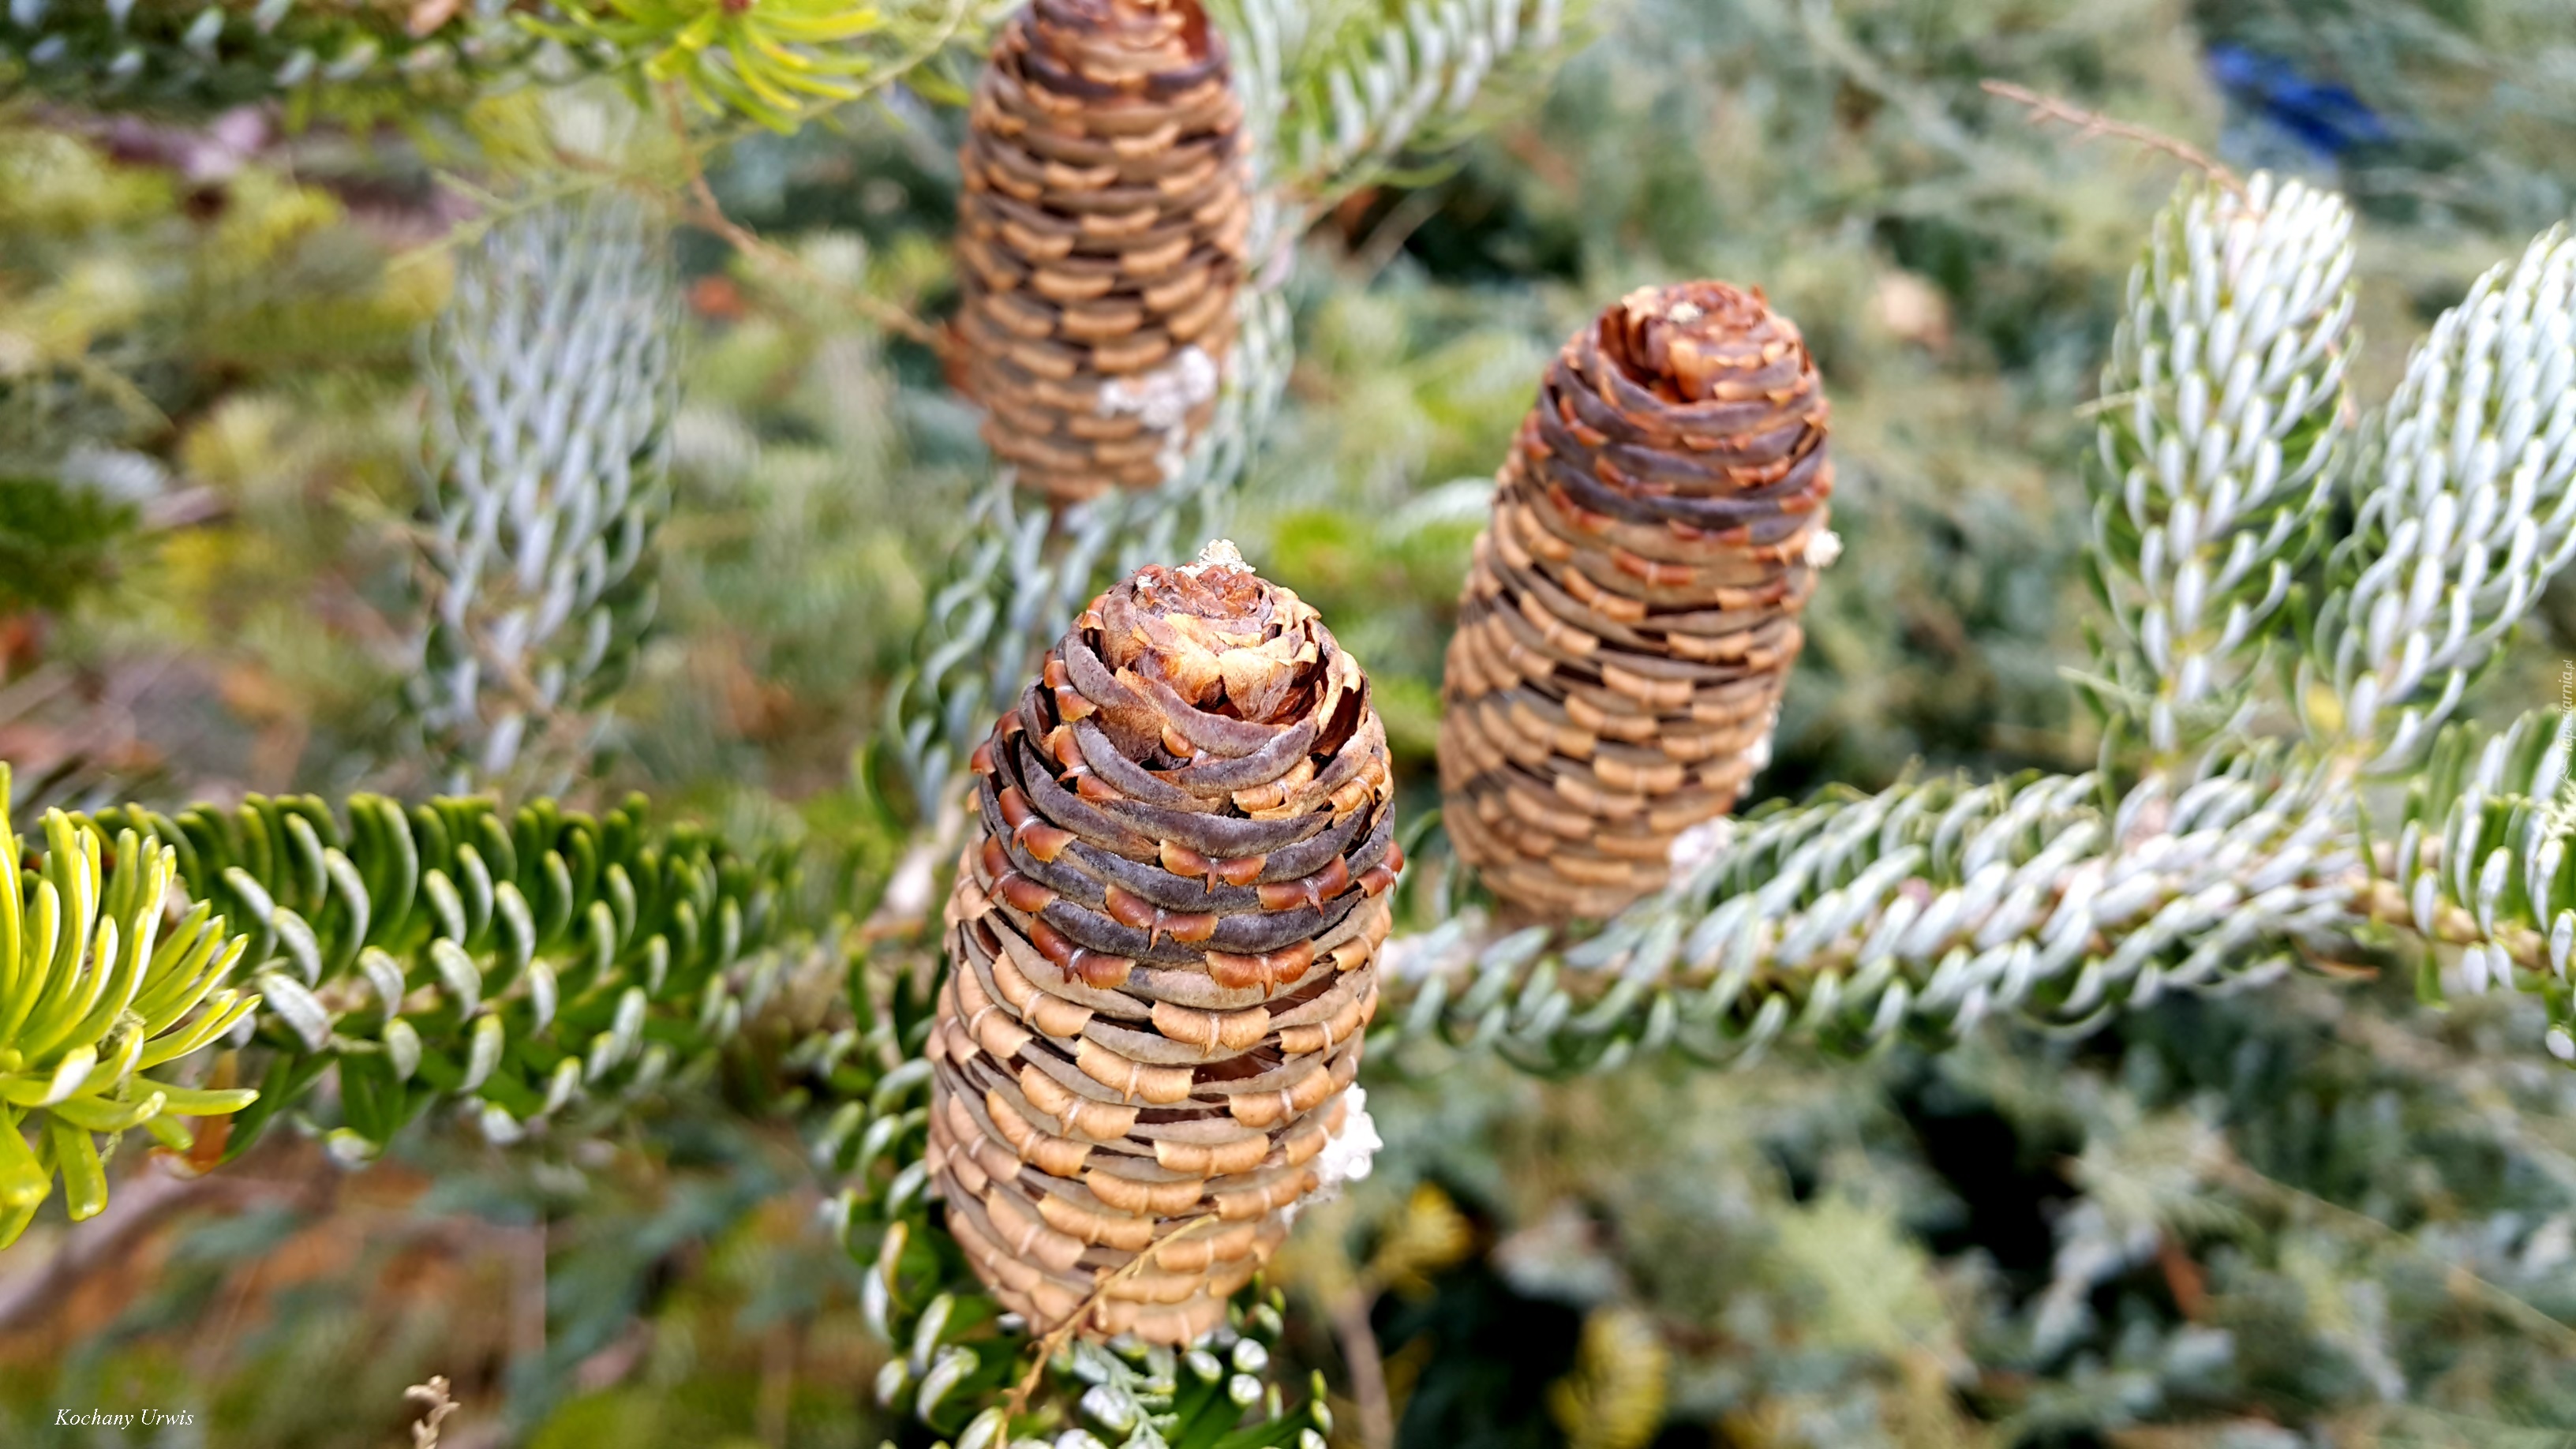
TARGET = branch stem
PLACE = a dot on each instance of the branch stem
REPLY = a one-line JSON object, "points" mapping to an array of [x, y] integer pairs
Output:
{"points": [[1057, 1337], [1366, 1362], [701, 209], [2089, 124]]}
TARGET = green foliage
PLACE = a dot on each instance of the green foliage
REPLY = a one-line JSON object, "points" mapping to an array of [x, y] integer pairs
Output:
{"points": [[1855, 921], [2464, 510], [55, 540], [2310, 1207], [1344, 89], [546, 478], [83, 342], [960, 1364], [776, 63], [2198, 1217], [188, 55], [93, 994], [2480, 859], [526, 963], [129, 299], [1922, 908], [2223, 411]]}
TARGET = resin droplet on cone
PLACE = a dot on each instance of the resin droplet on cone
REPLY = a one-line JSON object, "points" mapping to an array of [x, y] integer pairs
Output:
{"points": [[1162, 949], [1632, 612], [1100, 240]]}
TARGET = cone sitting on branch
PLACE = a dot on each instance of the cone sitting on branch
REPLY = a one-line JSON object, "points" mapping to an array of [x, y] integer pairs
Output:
{"points": [[1632, 611], [1162, 954], [1100, 240]]}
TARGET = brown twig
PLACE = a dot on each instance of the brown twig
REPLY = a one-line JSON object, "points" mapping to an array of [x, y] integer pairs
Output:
{"points": [[2089, 124], [2464, 1284], [1366, 1361], [777, 1395], [2185, 1279], [1387, 240], [528, 1294], [701, 209], [1057, 1337]]}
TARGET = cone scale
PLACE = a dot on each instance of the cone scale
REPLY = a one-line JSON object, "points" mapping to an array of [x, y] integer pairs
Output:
{"points": [[1100, 241], [1163, 950], [1632, 611]]}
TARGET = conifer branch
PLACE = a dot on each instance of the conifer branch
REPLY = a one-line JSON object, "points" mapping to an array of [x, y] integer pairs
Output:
{"points": [[552, 386], [2213, 473], [2466, 507]]}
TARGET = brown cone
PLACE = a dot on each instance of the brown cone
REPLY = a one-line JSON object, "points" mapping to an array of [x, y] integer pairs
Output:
{"points": [[1162, 949], [1100, 240], [1633, 609]]}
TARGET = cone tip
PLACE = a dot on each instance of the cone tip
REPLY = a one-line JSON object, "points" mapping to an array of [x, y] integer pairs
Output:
{"points": [[1218, 585], [1711, 308], [1704, 341]]}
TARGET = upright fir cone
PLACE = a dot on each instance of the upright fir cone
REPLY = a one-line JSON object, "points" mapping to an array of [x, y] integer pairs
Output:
{"points": [[1161, 954], [1101, 240], [1633, 609]]}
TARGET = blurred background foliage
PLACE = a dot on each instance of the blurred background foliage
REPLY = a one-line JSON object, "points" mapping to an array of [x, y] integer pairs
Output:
{"points": [[2320, 1218]]}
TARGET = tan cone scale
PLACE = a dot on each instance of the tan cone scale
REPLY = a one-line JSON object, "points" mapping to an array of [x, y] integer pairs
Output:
{"points": [[1632, 611], [1162, 951], [1100, 240]]}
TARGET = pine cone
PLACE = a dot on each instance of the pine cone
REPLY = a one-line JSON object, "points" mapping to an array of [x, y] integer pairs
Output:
{"points": [[1161, 953], [1101, 236], [1633, 609]]}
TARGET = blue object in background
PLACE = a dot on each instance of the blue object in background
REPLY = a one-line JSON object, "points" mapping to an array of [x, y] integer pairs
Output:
{"points": [[2324, 115]]}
